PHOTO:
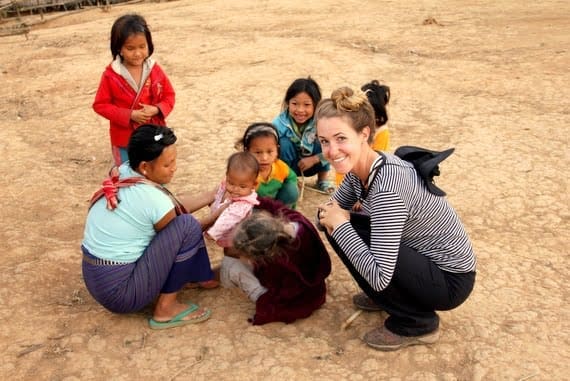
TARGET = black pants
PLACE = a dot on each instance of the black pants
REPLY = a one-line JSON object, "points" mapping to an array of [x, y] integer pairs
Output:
{"points": [[418, 287]]}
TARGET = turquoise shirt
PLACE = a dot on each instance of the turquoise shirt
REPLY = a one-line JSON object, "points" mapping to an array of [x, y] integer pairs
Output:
{"points": [[123, 234]]}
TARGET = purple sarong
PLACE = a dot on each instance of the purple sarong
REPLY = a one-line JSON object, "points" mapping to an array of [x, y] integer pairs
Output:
{"points": [[177, 255]]}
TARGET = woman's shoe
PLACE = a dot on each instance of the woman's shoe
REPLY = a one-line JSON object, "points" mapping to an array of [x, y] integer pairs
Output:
{"points": [[363, 302], [385, 340]]}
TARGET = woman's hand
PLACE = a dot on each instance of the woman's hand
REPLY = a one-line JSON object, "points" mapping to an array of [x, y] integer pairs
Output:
{"points": [[357, 207], [331, 215], [192, 202]]}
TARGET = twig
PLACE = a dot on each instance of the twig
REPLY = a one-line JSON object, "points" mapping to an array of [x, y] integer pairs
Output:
{"points": [[350, 319], [529, 376], [318, 191], [185, 368], [199, 359], [30, 349], [302, 186]]}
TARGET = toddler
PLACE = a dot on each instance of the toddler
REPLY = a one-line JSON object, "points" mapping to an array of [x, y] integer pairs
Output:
{"points": [[276, 179]]}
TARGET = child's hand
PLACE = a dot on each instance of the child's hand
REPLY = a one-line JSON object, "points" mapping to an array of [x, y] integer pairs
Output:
{"points": [[144, 114], [232, 252], [227, 198], [308, 162], [149, 110], [216, 213], [139, 117]]}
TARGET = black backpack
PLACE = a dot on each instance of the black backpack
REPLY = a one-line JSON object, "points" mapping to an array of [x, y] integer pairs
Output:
{"points": [[426, 163]]}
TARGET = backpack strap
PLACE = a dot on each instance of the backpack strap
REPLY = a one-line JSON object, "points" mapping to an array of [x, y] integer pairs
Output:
{"points": [[372, 175], [426, 162], [112, 183]]}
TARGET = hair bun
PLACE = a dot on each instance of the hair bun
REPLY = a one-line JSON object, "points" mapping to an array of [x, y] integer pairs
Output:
{"points": [[345, 99]]}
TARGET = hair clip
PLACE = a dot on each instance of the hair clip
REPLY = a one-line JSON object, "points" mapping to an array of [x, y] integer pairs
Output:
{"points": [[158, 137]]}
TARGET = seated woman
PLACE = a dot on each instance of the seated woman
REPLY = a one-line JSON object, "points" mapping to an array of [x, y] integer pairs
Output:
{"points": [[139, 243], [282, 263]]}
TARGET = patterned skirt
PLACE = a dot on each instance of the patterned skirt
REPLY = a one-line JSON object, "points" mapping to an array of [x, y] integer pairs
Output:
{"points": [[176, 255]]}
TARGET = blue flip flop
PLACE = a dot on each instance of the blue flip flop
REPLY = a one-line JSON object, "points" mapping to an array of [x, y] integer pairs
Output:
{"points": [[178, 321]]}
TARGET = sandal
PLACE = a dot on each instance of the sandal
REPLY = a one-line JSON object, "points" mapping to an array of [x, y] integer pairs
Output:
{"points": [[179, 320], [326, 186]]}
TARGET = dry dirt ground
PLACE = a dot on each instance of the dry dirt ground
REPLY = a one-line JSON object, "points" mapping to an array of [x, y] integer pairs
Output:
{"points": [[489, 78]]}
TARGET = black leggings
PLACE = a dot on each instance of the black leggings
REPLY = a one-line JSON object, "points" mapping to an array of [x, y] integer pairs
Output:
{"points": [[418, 287]]}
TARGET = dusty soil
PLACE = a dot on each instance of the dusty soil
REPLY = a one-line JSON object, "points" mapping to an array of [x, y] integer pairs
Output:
{"points": [[488, 78]]}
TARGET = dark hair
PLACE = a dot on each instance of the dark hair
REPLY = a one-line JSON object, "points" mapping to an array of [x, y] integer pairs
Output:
{"points": [[303, 85], [378, 96], [262, 236], [124, 27], [256, 130], [243, 161], [147, 143]]}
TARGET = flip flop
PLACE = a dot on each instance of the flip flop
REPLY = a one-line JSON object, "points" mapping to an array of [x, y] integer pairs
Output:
{"points": [[178, 321], [325, 187]]}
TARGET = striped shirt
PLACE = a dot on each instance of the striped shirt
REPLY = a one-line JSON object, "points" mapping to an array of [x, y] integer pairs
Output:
{"points": [[402, 212]]}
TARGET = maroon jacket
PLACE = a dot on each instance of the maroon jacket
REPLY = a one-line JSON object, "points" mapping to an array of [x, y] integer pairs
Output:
{"points": [[115, 99], [295, 280]]}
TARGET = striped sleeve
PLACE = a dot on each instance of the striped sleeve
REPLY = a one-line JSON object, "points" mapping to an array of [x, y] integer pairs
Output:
{"points": [[347, 193], [402, 212], [377, 262]]}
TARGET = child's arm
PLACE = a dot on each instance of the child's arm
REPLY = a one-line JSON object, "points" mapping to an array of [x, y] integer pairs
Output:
{"points": [[308, 162], [165, 94], [104, 104], [233, 214], [208, 221], [143, 114], [289, 192]]}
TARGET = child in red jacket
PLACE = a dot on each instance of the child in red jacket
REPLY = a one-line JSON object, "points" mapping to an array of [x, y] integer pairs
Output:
{"points": [[134, 90]]}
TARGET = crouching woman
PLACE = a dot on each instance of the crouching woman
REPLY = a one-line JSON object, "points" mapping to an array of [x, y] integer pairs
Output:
{"points": [[140, 245]]}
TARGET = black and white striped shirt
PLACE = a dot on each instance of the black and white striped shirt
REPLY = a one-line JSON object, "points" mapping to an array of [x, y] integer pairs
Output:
{"points": [[402, 212]]}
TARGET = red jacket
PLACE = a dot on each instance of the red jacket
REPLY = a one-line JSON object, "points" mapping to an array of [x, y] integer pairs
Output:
{"points": [[116, 98]]}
